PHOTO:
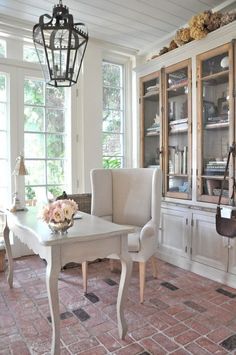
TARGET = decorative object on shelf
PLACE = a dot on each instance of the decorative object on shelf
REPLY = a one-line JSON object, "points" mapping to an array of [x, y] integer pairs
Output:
{"points": [[223, 106], [227, 18], [209, 111], [20, 170], [224, 63], [172, 45], [59, 215], [199, 26], [63, 43], [183, 36], [214, 21], [163, 50]]}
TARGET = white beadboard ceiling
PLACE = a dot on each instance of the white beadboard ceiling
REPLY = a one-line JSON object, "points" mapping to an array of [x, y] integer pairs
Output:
{"points": [[135, 24]]}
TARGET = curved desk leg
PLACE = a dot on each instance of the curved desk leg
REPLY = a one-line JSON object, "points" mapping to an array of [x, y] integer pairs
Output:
{"points": [[52, 273], [9, 256], [126, 264]]}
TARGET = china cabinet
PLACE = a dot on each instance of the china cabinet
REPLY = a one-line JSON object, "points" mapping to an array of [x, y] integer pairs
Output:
{"points": [[187, 125], [151, 129], [215, 81], [177, 132]]}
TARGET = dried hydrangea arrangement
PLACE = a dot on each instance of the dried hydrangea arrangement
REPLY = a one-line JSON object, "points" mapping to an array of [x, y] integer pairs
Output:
{"points": [[199, 26]]}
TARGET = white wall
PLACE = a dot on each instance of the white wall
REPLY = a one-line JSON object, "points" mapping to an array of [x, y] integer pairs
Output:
{"points": [[89, 116]]}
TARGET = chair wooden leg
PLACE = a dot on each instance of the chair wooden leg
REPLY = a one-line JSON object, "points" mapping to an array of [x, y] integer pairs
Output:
{"points": [[85, 275], [142, 271], [154, 266]]}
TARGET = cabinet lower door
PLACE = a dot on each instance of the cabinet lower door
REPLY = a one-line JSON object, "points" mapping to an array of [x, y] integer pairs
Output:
{"points": [[174, 232], [208, 247]]}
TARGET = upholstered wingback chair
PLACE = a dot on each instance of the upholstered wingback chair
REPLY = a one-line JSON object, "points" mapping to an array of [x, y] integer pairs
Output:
{"points": [[130, 197]]}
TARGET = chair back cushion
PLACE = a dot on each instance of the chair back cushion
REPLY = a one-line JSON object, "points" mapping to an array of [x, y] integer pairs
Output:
{"points": [[101, 184], [132, 192]]}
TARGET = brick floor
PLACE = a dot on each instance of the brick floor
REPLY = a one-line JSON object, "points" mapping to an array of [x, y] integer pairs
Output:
{"points": [[183, 313]]}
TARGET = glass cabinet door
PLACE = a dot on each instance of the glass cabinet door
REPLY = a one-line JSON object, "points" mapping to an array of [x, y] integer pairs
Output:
{"points": [[150, 120], [178, 130], [215, 125]]}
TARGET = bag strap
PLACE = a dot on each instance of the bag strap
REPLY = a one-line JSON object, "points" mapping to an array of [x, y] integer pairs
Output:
{"points": [[231, 151]]}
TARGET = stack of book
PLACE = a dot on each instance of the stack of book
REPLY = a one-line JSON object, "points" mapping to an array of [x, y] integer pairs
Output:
{"points": [[215, 167], [153, 130], [180, 125], [178, 160], [151, 90]]}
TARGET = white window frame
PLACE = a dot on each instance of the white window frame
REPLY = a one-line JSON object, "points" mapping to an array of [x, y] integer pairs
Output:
{"points": [[114, 58], [16, 72]]}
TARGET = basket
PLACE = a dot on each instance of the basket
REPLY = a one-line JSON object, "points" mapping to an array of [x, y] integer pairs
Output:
{"points": [[83, 201]]}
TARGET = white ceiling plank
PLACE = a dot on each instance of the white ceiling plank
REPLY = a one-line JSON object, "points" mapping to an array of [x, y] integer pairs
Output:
{"points": [[119, 13], [136, 24], [170, 8], [139, 8], [191, 4]]}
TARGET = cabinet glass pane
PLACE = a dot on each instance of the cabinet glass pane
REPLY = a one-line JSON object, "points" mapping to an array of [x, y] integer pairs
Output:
{"points": [[215, 124], [177, 122], [151, 113], [178, 77], [215, 64]]}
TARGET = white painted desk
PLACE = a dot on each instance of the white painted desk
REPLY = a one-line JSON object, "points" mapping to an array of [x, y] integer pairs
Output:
{"points": [[90, 238]]}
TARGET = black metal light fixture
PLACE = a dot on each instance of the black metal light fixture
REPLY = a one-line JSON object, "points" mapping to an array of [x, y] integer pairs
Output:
{"points": [[63, 43]]}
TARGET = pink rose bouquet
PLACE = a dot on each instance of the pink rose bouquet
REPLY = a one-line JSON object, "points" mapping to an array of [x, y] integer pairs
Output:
{"points": [[59, 211]]}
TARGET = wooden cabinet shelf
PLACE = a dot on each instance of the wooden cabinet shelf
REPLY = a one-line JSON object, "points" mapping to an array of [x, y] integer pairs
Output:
{"points": [[152, 134], [222, 74], [217, 125]]}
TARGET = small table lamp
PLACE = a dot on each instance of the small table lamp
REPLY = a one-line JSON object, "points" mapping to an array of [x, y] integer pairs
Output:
{"points": [[20, 170]]}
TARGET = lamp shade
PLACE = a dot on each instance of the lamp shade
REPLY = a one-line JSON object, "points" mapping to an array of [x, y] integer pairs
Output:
{"points": [[63, 42], [20, 168]]}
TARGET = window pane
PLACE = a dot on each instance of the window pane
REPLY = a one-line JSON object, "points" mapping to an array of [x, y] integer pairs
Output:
{"points": [[45, 114], [3, 89], [34, 145], [3, 140], [55, 97], [55, 120], [112, 121], [111, 144], [34, 119], [55, 191], [36, 170], [3, 116], [111, 98], [40, 194], [113, 115], [55, 146], [2, 48], [111, 163], [34, 92], [111, 75], [30, 55], [3, 177], [55, 171]]}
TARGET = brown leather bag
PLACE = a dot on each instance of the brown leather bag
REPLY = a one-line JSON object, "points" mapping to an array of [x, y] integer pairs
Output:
{"points": [[226, 226]]}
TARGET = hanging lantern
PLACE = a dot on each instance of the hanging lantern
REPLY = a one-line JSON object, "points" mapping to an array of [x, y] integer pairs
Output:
{"points": [[63, 42]]}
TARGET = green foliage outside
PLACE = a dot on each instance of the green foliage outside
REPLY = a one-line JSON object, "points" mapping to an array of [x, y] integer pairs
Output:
{"points": [[55, 191], [111, 163], [44, 115], [2, 49], [30, 193], [112, 114]]}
